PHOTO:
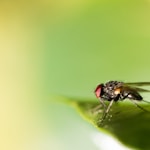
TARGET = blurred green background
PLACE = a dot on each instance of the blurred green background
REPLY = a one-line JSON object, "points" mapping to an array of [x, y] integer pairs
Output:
{"points": [[65, 47]]}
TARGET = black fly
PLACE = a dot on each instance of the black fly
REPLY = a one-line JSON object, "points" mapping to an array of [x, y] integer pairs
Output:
{"points": [[115, 91]]}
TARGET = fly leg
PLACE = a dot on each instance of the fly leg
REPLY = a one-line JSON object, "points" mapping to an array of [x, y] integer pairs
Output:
{"points": [[98, 109], [103, 104], [106, 111], [139, 106], [133, 98]]}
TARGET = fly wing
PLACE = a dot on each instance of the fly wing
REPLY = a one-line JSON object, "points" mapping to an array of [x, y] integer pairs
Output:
{"points": [[141, 89], [133, 86], [139, 83]]}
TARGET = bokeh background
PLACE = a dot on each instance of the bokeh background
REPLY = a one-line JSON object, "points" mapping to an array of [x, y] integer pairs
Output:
{"points": [[60, 48]]}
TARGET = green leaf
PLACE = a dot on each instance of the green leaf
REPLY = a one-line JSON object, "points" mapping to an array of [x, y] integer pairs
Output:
{"points": [[125, 121]]}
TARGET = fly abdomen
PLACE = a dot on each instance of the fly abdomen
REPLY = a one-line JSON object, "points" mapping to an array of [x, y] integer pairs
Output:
{"points": [[132, 95], [135, 96]]}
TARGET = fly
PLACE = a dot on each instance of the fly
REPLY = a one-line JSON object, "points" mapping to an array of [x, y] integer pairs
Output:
{"points": [[118, 91]]}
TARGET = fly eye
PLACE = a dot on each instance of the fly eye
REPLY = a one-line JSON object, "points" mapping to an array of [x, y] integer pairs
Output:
{"points": [[98, 90]]}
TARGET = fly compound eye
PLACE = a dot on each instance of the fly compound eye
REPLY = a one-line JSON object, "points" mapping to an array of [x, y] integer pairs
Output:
{"points": [[98, 90]]}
